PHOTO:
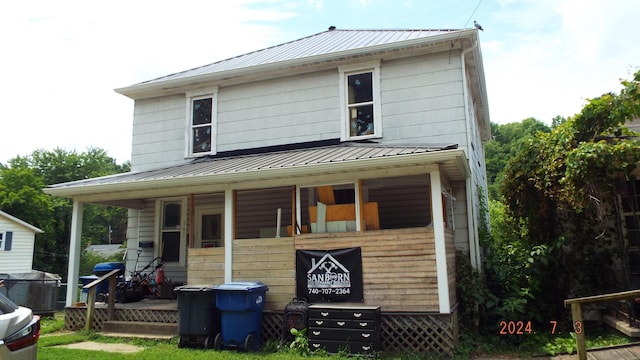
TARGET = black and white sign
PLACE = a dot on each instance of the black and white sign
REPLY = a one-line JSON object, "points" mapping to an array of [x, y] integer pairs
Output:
{"points": [[329, 276]]}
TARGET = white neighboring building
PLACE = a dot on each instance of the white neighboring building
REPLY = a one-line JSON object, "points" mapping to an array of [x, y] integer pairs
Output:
{"points": [[17, 241]]}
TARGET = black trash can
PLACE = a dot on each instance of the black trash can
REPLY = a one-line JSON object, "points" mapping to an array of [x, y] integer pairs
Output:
{"points": [[198, 316]]}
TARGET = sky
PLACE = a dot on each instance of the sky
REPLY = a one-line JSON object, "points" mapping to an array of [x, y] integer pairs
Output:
{"points": [[62, 59]]}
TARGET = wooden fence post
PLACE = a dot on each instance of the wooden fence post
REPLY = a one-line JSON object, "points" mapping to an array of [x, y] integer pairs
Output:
{"points": [[578, 327]]}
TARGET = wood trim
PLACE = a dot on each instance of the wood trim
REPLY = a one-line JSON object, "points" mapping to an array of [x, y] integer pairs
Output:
{"points": [[192, 219]]}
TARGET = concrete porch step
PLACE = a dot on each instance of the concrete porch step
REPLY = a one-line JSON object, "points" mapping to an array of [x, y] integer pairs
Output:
{"points": [[139, 329]]}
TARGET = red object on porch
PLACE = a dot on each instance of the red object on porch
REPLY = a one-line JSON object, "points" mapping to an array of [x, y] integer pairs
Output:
{"points": [[160, 276]]}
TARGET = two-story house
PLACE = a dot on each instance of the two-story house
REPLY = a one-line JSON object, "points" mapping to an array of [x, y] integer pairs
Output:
{"points": [[369, 139]]}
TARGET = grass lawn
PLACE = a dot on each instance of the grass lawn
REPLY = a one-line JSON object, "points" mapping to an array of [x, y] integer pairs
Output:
{"points": [[523, 348]]}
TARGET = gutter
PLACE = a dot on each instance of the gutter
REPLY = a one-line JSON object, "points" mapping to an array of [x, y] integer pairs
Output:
{"points": [[472, 233]]}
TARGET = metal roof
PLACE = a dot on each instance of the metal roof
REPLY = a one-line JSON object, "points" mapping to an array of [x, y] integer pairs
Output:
{"points": [[327, 42], [285, 165]]}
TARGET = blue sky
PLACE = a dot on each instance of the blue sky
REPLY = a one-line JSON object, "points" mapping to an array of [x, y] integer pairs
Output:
{"points": [[62, 59]]}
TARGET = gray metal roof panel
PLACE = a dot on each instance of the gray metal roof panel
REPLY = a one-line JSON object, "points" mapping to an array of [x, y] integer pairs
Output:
{"points": [[257, 162], [327, 42]]}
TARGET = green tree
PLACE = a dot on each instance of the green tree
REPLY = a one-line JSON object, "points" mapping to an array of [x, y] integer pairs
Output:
{"points": [[507, 140], [556, 188], [21, 184]]}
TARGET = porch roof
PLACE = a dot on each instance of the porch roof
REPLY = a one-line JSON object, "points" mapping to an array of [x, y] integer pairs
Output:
{"points": [[280, 168]]}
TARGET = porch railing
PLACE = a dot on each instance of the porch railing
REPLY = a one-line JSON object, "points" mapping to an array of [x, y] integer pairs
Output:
{"points": [[91, 296], [576, 314]]}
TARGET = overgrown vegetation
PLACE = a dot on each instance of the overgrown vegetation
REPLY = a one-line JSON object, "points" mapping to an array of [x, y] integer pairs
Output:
{"points": [[550, 237]]}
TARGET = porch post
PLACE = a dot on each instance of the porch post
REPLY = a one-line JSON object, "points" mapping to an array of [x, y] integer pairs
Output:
{"points": [[229, 209], [441, 251], [74, 253]]}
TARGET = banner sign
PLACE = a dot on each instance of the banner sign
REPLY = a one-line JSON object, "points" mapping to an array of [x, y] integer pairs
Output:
{"points": [[329, 276]]}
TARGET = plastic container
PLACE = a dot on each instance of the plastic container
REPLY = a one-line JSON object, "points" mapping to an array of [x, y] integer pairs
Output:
{"points": [[102, 288], [241, 305], [105, 267], [198, 316]]}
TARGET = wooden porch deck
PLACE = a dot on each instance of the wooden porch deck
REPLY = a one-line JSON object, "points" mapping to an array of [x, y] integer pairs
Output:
{"points": [[627, 352]]}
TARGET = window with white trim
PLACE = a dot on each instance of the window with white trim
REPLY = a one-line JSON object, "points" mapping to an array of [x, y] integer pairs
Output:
{"points": [[361, 114], [2, 240], [201, 121]]}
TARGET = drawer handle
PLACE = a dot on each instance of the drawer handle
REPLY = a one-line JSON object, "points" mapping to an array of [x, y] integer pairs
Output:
{"points": [[324, 313], [363, 324], [341, 323], [316, 333], [319, 322], [357, 315], [315, 345], [365, 335]]}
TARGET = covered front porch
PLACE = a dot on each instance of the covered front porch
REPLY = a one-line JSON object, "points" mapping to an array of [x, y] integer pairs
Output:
{"points": [[242, 218]]}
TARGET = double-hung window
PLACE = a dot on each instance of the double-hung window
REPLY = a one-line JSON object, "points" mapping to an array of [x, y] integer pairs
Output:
{"points": [[201, 119], [360, 94]]}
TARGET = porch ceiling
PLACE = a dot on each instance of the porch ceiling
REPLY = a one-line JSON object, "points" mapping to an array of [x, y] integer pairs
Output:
{"points": [[280, 168]]}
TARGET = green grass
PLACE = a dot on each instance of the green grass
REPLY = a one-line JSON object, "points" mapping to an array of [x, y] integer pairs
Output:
{"points": [[521, 346]]}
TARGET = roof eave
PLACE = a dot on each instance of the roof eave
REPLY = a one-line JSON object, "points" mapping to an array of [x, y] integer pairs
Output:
{"points": [[157, 88], [86, 192]]}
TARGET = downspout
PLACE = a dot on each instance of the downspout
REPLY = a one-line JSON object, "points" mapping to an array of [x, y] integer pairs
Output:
{"points": [[474, 255]]}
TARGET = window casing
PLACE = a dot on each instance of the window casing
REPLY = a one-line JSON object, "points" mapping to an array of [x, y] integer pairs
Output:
{"points": [[360, 102], [201, 122], [172, 236], [2, 241]]}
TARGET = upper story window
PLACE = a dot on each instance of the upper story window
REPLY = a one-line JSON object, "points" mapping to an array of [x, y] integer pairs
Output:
{"points": [[361, 114], [201, 122]]}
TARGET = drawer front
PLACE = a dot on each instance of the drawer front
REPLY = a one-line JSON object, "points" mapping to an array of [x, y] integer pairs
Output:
{"points": [[346, 335], [337, 346], [346, 314], [343, 324]]}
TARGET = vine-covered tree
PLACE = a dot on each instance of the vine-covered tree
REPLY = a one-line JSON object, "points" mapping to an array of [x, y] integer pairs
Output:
{"points": [[559, 189]]}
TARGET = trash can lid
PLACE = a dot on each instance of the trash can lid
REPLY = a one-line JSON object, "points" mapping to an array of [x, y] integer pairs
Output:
{"points": [[194, 288], [243, 286]]}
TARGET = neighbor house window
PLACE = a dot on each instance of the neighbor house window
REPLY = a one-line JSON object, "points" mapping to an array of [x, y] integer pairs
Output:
{"points": [[361, 103], [5, 240], [201, 123]]}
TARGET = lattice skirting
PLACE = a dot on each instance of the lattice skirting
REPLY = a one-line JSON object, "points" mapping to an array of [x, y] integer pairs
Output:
{"points": [[75, 318], [420, 333]]}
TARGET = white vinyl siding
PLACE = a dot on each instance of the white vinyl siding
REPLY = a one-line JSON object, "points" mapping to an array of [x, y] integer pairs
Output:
{"points": [[279, 111], [421, 101], [158, 133], [20, 258]]}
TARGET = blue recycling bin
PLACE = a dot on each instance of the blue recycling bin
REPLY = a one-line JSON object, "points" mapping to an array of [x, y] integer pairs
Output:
{"points": [[102, 288], [240, 305]]}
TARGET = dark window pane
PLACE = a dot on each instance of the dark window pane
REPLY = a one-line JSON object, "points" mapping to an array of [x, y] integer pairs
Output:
{"points": [[210, 227], [171, 216], [361, 120], [202, 110], [360, 88], [201, 139], [171, 246]]}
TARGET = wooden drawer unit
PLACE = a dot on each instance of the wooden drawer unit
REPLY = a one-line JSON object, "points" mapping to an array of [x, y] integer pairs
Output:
{"points": [[334, 328]]}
